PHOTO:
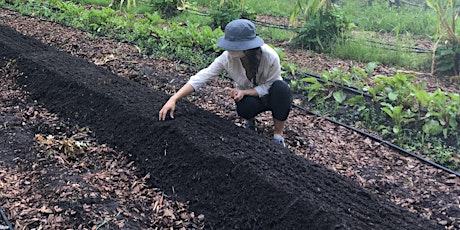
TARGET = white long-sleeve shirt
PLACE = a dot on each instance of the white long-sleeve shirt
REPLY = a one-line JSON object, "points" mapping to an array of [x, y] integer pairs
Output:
{"points": [[268, 72]]}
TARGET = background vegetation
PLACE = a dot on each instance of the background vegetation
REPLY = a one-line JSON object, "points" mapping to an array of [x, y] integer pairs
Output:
{"points": [[395, 107]]}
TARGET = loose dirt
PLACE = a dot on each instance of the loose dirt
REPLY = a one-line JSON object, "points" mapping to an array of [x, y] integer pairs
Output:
{"points": [[200, 170]]}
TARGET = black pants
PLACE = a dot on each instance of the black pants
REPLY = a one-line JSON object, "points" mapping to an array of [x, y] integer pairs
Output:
{"points": [[278, 101]]}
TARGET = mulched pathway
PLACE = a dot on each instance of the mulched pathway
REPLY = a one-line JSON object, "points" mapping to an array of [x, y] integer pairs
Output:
{"points": [[423, 190]]}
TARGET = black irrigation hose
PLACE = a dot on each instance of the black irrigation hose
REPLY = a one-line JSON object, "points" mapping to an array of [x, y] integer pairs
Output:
{"points": [[265, 24], [347, 88], [351, 89], [413, 4], [375, 138], [10, 227], [286, 27], [419, 5], [388, 45], [278, 26]]}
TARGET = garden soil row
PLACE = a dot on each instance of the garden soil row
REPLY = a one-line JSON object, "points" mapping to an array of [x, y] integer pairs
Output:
{"points": [[237, 179]]}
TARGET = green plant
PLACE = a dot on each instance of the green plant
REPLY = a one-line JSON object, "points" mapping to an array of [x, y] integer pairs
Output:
{"points": [[119, 4], [357, 75], [395, 88], [362, 49], [445, 107], [314, 88], [171, 8], [191, 35], [447, 19], [332, 77], [447, 56], [309, 9], [93, 2], [399, 116], [339, 97], [321, 29], [442, 156], [357, 100], [98, 20], [382, 18], [365, 112], [225, 11], [167, 8], [431, 128]]}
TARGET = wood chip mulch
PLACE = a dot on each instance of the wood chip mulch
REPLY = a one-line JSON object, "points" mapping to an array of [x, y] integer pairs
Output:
{"points": [[69, 164]]}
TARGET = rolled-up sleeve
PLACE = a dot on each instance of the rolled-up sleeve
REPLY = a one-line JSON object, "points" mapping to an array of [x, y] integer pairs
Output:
{"points": [[269, 71], [206, 74]]}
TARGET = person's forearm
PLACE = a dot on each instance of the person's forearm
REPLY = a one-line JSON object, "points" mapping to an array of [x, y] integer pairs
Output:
{"points": [[250, 92], [183, 92]]}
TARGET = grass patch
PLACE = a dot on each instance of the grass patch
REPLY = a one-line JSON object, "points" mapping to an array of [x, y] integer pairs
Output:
{"points": [[274, 34], [272, 7], [266, 7], [382, 18], [94, 2], [192, 17], [363, 50]]}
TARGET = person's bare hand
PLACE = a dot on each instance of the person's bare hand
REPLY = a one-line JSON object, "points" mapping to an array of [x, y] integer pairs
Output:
{"points": [[169, 106], [237, 94], [233, 92]]}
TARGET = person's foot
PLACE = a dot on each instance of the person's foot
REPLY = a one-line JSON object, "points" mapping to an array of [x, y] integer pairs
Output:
{"points": [[278, 139], [250, 124]]}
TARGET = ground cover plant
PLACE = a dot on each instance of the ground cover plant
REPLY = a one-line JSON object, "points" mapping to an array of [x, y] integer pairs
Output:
{"points": [[175, 41], [395, 107], [235, 184], [109, 61]]}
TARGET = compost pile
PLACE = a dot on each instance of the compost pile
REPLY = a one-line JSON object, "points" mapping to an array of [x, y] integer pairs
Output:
{"points": [[83, 149]]}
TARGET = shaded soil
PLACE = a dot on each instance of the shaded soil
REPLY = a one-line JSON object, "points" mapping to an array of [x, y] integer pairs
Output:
{"points": [[329, 177]]}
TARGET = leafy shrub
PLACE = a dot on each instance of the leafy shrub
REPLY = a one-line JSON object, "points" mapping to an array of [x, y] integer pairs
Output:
{"points": [[322, 30], [447, 58], [167, 8], [447, 55], [118, 4], [228, 10]]}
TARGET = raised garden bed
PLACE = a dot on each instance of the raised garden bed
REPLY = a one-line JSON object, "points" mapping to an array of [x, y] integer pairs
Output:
{"points": [[236, 179]]}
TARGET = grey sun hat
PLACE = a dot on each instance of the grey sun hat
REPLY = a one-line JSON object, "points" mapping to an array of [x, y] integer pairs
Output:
{"points": [[240, 34]]}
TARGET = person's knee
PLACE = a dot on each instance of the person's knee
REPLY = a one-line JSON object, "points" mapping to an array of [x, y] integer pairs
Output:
{"points": [[280, 93], [280, 87], [281, 114], [244, 111], [247, 107], [280, 100]]}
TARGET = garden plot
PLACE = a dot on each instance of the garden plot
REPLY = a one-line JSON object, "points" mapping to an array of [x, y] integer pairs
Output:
{"points": [[235, 178]]}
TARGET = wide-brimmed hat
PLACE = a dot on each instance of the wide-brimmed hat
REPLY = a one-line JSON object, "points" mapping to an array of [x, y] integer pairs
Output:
{"points": [[240, 34]]}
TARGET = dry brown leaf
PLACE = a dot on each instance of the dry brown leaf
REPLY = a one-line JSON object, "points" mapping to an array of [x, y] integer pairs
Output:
{"points": [[169, 213], [57, 209], [46, 210]]}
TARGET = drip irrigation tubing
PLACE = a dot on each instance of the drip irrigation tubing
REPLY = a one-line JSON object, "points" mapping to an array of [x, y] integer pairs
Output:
{"points": [[351, 89], [394, 47], [424, 5], [413, 4], [278, 26], [265, 24], [347, 88], [285, 27], [375, 138], [5, 220], [382, 45]]}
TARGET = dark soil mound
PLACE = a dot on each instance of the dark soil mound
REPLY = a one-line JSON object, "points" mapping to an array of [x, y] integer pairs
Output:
{"points": [[237, 179]]}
